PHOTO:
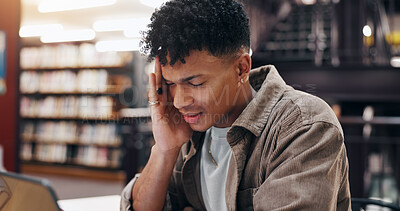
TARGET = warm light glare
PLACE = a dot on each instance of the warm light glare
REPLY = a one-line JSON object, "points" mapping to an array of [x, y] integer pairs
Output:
{"points": [[137, 26], [63, 5], [118, 45], [132, 25], [68, 36], [309, 2], [110, 25], [153, 3], [132, 33], [395, 61], [39, 30], [367, 31], [135, 32]]}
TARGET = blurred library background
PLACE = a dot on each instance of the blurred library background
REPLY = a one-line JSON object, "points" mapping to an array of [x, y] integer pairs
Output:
{"points": [[73, 84]]}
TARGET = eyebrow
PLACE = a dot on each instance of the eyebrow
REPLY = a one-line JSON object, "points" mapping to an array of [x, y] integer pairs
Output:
{"points": [[187, 79]]}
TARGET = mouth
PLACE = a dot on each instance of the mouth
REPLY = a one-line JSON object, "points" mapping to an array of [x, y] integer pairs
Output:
{"points": [[192, 118]]}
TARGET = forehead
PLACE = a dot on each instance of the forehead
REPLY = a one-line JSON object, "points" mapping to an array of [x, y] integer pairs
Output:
{"points": [[198, 63]]}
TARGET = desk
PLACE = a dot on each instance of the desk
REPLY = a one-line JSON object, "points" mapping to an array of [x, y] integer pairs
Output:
{"points": [[101, 203]]}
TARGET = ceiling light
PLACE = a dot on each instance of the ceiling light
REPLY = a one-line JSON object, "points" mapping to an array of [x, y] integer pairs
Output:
{"points": [[39, 30], [110, 25], [118, 45], [395, 61], [64, 5], [138, 26], [68, 36], [153, 3], [132, 33], [121, 25], [367, 31]]}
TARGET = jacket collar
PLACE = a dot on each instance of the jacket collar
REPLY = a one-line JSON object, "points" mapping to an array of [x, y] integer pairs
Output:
{"points": [[270, 88]]}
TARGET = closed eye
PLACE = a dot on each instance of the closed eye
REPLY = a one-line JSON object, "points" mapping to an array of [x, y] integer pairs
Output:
{"points": [[169, 83], [195, 85]]}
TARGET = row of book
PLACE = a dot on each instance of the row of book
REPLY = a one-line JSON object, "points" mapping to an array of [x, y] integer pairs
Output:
{"points": [[99, 157], [69, 55], [65, 81], [68, 107], [61, 153], [71, 132]]}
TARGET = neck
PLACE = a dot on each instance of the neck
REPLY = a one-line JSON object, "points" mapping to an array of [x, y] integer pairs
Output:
{"points": [[245, 95]]}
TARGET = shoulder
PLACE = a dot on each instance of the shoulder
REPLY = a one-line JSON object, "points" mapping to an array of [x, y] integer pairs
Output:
{"points": [[297, 109]]}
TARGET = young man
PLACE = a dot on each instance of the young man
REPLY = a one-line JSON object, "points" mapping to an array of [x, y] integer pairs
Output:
{"points": [[227, 138]]}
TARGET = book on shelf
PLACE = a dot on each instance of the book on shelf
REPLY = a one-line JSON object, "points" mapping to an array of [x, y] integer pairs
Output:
{"points": [[70, 132], [83, 107], [91, 156], [67, 81], [98, 157], [70, 56]]}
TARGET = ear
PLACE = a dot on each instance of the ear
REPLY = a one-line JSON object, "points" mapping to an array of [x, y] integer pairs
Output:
{"points": [[243, 66]]}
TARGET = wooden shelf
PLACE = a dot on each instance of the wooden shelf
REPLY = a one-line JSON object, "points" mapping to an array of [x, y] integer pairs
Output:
{"points": [[106, 118], [135, 112], [120, 67], [73, 171], [75, 142], [73, 93], [70, 162], [110, 90]]}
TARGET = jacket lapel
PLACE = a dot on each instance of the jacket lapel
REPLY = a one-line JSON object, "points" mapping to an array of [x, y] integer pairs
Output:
{"points": [[239, 139], [191, 173]]}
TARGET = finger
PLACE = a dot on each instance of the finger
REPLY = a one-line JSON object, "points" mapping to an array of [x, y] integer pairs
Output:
{"points": [[165, 92], [157, 71], [161, 87], [154, 109], [169, 99], [152, 88]]}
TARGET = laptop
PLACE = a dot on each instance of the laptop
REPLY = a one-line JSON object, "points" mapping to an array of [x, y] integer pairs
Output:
{"points": [[23, 193]]}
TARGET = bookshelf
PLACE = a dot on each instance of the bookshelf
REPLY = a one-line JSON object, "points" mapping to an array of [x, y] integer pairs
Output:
{"points": [[70, 96], [138, 139]]}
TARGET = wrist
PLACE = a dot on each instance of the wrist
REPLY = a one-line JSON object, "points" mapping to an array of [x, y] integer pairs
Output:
{"points": [[166, 154]]}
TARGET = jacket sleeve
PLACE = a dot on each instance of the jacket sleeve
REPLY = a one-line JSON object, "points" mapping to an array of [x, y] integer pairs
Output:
{"points": [[307, 170], [126, 195], [175, 198]]}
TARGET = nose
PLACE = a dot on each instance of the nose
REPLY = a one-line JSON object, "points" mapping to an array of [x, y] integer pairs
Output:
{"points": [[182, 97]]}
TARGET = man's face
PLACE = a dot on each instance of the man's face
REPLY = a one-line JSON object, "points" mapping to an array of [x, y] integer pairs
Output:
{"points": [[204, 90]]}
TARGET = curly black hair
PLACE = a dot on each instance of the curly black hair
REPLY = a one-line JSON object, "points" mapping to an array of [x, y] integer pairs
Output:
{"points": [[179, 26]]}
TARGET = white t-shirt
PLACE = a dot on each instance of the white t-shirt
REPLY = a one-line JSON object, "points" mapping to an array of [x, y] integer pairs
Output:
{"points": [[213, 178]]}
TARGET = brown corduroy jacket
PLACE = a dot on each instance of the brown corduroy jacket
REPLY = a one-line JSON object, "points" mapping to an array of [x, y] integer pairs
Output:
{"points": [[288, 153]]}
